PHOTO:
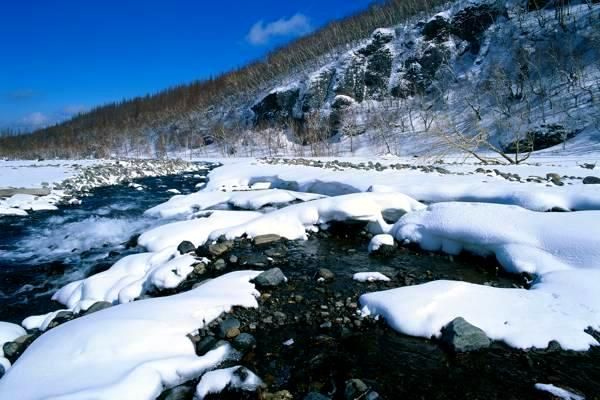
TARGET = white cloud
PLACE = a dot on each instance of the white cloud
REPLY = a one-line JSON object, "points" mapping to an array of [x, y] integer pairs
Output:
{"points": [[36, 119], [262, 33]]}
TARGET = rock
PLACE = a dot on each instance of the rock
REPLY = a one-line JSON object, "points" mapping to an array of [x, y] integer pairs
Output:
{"points": [[244, 342], [229, 328], [436, 28], [280, 395], [591, 180], [218, 265], [326, 274], [12, 350], [461, 336], [355, 389], [219, 249], [316, 396], [270, 278], [266, 239], [97, 306], [2, 371], [186, 247], [233, 259], [200, 268], [182, 392], [205, 345], [276, 106]]}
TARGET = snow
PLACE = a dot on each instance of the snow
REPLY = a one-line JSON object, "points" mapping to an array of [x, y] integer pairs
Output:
{"points": [[29, 174], [128, 279], [382, 239], [558, 392], [139, 348], [195, 230], [216, 381], [462, 184], [293, 221], [250, 200], [560, 248], [8, 333], [370, 277], [522, 240]]}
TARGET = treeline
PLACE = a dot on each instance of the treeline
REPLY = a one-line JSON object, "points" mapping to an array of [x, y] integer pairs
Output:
{"points": [[139, 124]]}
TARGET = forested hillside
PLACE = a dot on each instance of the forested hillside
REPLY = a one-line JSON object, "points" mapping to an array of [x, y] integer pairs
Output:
{"points": [[402, 77]]}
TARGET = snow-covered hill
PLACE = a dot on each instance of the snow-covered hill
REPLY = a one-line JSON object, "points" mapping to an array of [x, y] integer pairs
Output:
{"points": [[509, 72]]}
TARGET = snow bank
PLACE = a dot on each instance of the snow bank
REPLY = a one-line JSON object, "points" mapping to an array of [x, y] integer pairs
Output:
{"points": [[8, 333], [293, 221], [522, 240], [196, 230], [561, 248], [370, 277], [248, 200], [382, 239], [559, 307], [237, 377], [558, 392], [18, 204], [431, 187], [140, 348], [128, 279]]}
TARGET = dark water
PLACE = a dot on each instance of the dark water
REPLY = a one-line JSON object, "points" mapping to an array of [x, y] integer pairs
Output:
{"points": [[47, 249]]}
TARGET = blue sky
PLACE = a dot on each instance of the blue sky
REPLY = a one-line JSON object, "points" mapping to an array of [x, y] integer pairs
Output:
{"points": [[61, 57]]}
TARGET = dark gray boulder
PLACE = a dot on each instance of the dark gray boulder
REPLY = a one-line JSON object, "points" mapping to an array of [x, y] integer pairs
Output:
{"points": [[270, 278], [461, 336], [186, 247], [591, 180]]}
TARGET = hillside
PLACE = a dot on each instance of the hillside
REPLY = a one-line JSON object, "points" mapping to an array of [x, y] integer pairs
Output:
{"points": [[475, 77]]}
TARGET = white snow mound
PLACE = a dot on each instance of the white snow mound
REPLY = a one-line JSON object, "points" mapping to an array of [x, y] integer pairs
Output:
{"points": [[139, 348], [293, 221]]}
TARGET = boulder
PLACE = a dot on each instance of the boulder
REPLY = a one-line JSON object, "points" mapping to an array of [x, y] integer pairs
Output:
{"points": [[186, 247], [355, 389], [244, 342], [182, 392], [218, 249], [325, 274], [266, 239], [14, 349], [229, 328], [97, 306], [591, 180], [461, 336], [270, 278]]}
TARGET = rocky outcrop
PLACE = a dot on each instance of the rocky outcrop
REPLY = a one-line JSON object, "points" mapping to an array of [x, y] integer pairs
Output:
{"points": [[276, 107]]}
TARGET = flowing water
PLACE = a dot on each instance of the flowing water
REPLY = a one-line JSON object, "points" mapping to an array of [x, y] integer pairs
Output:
{"points": [[47, 249]]}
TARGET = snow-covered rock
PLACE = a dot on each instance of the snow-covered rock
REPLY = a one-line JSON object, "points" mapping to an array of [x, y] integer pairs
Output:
{"points": [[196, 230], [8, 333], [216, 381], [128, 279], [370, 277], [139, 348], [248, 200], [556, 391], [380, 240], [293, 221], [521, 240]]}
